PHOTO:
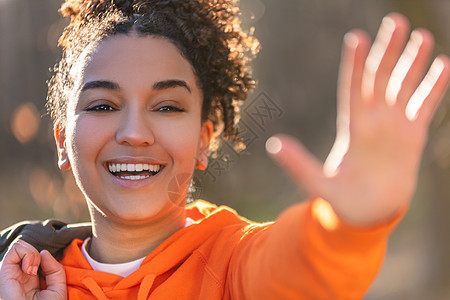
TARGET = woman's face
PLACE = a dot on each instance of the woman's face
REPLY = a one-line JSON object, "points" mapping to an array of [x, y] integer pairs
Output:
{"points": [[134, 130]]}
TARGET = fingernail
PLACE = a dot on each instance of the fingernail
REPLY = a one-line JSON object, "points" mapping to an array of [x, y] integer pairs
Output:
{"points": [[416, 37], [35, 270], [437, 65], [388, 23], [351, 40], [273, 145], [29, 270]]}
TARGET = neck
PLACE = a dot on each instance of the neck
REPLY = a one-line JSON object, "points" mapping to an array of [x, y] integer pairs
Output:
{"points": [[118, 242]]}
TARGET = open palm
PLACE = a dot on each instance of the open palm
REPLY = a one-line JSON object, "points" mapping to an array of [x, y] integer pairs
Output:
{"points": [[386, 101]]}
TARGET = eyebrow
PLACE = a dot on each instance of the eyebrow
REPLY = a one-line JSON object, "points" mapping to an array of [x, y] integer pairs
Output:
{"points": [[158, 86], [100, 84], [171, 83]]}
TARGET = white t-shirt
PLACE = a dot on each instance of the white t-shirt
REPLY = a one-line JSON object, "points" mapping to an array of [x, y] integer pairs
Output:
{"points": [[123, 269]]}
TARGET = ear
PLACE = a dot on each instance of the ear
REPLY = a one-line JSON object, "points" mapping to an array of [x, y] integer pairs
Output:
{"points": [[60, 138], [203, 149]]}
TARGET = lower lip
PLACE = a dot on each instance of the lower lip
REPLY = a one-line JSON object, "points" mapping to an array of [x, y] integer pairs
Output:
{"points": [[136, 183]]}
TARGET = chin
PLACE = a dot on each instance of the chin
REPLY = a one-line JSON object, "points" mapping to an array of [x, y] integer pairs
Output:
{"points": [[145, 211]]}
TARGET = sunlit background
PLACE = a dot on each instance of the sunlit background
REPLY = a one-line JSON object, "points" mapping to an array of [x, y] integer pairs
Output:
{"points": [[296, 70]]}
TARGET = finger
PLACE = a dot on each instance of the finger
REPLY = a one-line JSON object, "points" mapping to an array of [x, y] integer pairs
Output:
{"points": [[355, 49], [383, 56], [303, 167], [410, 68], [430, 92], [25, 255], [55, 276]]}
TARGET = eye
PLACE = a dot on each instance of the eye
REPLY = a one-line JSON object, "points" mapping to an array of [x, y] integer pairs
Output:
{"points": [[101, 108], [170, 108]]}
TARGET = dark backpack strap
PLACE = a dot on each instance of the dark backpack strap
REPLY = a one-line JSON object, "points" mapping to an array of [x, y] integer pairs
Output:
{"points": [[51, 235]]}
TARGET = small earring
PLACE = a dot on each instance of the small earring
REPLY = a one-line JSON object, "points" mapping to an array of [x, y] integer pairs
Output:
{"points": [[201, 164]]}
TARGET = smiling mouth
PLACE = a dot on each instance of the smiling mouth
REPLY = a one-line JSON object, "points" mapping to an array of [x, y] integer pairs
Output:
{"points": [[133, 171]]}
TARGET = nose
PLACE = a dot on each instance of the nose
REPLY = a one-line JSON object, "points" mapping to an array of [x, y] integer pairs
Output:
{"points": [[134, 129]]}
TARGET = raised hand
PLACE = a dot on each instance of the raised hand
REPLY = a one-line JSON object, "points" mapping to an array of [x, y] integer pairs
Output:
{"points": [[19, 277], [386, 100]]}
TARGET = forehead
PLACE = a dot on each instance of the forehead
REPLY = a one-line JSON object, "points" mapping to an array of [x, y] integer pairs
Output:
{"points": [[132, 58]]}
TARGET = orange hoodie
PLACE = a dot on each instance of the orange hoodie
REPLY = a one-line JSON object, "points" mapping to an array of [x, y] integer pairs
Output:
{"points": [[306, 254]]}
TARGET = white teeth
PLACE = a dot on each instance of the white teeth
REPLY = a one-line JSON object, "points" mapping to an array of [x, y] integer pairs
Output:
{"points": [[134, 177], [117, 167]]}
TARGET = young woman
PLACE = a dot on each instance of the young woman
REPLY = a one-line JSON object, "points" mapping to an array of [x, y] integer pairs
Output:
{"points": [[140, 93]]}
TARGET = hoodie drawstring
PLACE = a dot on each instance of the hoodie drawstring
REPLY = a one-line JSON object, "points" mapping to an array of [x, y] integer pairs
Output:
{"points": [[95, 289], [146, 285]]}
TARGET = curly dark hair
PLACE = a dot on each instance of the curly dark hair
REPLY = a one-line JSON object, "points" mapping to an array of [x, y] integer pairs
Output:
{"points": [[206, 32]]}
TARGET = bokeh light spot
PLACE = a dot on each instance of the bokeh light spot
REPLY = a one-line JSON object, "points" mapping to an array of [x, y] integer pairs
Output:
{"points": [[25, 122]]}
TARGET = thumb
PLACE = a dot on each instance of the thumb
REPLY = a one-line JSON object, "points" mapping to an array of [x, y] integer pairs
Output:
{"points": [[54, 273], [303, 167]]}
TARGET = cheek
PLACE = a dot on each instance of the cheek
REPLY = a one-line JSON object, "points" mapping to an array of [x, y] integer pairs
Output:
{"points": [[181, 139], [85, 138]]}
